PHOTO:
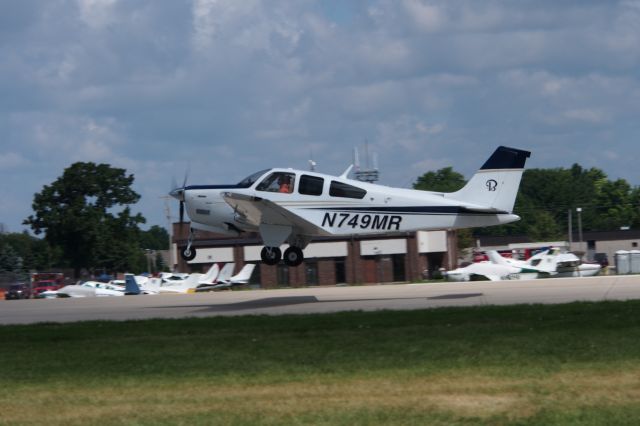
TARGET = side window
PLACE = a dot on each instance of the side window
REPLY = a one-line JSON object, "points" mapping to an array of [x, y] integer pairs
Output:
{"points": [[310, 185], [339, 189], [278, 182]]}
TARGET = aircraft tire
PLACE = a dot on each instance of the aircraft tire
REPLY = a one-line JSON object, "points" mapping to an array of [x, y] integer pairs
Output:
{"points": [[270, 257], [188, 255], [293, 256]]}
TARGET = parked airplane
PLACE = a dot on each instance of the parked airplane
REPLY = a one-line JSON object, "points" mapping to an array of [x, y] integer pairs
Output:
{"points": [[86, 289], [240, 278], [223, 276], [292, 206], [551, 263], [489, 271]]}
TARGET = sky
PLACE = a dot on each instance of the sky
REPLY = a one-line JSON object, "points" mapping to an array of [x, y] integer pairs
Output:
{"points": [[218, 89]]}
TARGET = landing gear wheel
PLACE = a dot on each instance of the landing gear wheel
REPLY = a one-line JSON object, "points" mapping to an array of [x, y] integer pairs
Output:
{"points": [[270, 255], [293, 256], [188, 254]]}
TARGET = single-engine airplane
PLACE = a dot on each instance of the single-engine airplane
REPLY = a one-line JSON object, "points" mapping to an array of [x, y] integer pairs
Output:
{"points": [[292, 206]]}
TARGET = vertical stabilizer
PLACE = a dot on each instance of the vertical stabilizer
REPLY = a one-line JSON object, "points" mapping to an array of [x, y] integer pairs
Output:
{"points": [[226, 272], [130, 285], [211, 275], [244, 275], [495, 185]]}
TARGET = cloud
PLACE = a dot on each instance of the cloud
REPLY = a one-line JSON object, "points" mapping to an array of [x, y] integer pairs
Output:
{"points": [[232, 87]]}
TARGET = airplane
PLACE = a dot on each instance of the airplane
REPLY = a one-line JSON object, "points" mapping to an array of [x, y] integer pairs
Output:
{"points": [[487, 271], [292, 206], [551, 263], [168, 282], [223, 276], [240, 278], [497, 268], [86, 289]]}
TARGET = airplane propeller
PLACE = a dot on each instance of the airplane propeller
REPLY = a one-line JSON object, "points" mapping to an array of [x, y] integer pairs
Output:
{"points": [[178, 194]]}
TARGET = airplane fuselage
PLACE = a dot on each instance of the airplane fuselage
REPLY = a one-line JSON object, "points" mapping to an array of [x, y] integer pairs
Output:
{"points": [[381, 210]]}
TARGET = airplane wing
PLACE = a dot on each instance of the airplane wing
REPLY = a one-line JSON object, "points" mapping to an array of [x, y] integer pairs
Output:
{"points": [[258, 210]]}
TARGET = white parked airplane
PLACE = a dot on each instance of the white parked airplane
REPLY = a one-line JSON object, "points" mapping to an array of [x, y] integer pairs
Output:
{"points": [[498, 268], [292, 206], [240, 278], [487, 271], [551, 263], [86, 289], [223, 276]]}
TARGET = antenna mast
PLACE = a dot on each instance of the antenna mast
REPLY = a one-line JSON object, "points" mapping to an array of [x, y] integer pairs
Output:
{"points": [[367, 174]]}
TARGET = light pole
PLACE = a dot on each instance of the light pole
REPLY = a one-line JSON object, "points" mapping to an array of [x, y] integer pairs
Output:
{"points": [[579, 210], [148, 255]]}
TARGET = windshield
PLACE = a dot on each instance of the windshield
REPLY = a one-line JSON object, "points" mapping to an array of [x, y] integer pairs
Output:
{"points": [[250, 180]]}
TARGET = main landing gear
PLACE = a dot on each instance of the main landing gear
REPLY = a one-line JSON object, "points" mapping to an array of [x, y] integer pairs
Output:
{"points": [[189, 252], [293, 256]]}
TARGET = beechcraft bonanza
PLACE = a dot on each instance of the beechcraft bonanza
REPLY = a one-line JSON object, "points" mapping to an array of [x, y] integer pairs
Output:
{"points": [[292, 206]]}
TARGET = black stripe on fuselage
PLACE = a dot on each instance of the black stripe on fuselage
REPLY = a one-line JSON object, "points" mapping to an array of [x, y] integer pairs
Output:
{"points": [[212, 187], [412, 210]]}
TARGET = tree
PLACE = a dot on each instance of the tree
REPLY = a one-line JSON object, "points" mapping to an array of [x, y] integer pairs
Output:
{"points": [[443, 180], [35, 252], [156, 238], [78, 213]]}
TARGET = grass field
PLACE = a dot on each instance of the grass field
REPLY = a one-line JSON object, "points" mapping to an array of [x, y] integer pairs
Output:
{"points": [[576, 364]]}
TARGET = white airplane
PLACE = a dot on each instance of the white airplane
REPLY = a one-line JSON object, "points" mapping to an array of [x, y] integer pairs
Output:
{"points": [[223, 276], [240, 278], [292, 206], [489, 271], [552, 263], [497, 268], [86, 289], [172, 283]]}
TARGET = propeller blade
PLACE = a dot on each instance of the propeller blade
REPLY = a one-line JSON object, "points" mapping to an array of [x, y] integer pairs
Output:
{"points": [[186, 175], [181, 212]]}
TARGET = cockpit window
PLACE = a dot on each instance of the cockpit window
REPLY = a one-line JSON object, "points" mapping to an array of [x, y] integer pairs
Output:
{"points": [[250, 180], [339, 189], [278, 182]]}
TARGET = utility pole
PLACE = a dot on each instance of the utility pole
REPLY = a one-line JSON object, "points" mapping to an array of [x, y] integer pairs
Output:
{"points": [[579, 210], [167, 211], [570, 217]]}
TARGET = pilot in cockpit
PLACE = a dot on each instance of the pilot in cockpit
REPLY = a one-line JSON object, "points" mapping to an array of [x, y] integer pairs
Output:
{"points": [[284, 181]]}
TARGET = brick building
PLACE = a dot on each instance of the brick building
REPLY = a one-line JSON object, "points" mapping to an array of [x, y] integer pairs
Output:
{"points": [[328, 261]]}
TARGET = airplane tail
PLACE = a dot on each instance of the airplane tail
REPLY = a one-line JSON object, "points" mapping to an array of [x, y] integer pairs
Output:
{"points": [[495, 185], [130, 285], [211, 275], [497, 258], [226, 272], [243, 276]]}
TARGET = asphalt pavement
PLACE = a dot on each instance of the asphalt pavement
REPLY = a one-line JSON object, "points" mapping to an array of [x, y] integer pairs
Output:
{"points": [[321, 299]]}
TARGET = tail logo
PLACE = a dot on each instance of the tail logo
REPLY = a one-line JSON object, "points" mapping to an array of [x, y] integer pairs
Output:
{"points": [[492, 184]]}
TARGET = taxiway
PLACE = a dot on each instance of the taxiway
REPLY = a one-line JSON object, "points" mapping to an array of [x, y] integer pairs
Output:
{"points": [[321, 300]]}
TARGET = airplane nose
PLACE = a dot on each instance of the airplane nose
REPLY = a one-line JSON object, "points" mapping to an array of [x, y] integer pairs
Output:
{"points": [[178, 194]]}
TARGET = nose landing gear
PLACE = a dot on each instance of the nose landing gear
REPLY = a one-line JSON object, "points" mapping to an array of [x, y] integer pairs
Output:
{"points": [[189, 252]]}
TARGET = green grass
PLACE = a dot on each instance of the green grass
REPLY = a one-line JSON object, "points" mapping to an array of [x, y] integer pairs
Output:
{"points": [[557, 364]]}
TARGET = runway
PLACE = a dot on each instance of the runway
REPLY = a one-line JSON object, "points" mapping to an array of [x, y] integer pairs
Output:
{"points": [[321, 300]]}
